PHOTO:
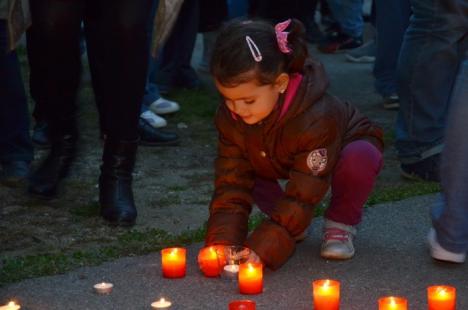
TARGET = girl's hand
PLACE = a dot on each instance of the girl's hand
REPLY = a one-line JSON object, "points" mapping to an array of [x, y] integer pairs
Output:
{"points": [[253, 257]]}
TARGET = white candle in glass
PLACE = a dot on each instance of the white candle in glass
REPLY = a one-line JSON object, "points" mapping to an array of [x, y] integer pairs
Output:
{"points": [[161, 304], [103, 288], [10, 306]]}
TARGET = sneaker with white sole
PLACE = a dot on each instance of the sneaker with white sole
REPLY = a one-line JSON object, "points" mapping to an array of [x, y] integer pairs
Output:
{"points": [[363, 54], [439, 253], [153, 119], [163, 106], [337, 242]]}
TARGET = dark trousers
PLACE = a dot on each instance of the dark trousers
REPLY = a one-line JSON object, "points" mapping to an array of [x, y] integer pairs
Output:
{"points": [[15, 143], [174, 67], [116, 40]]}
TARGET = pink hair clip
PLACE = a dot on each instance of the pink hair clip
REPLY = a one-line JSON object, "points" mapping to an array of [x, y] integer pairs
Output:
{"points": [[282, 36]]}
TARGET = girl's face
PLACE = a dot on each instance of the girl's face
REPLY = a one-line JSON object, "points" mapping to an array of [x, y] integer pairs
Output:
{"points": [[253, 102]]}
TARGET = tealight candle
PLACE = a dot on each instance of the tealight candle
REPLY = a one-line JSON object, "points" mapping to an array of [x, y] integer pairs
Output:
{"points": [[242, 305], [441, 297], [209, 263], [161, 304], [10, 306], [173, 262], [326, 294], [230, 272], [393, 303], [103, 288], [250, 278]]}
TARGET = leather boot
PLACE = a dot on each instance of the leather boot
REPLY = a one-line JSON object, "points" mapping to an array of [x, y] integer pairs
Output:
{"points": [[45, 180], [115, 182]]}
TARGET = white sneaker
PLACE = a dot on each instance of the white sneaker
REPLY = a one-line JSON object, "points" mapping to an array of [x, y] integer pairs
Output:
{"points": [[337, 242], [154, 120], [439, 253], [164, 106]]}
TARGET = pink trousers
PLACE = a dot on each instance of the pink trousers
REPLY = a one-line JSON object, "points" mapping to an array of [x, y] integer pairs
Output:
{"points": [[353, 180]]}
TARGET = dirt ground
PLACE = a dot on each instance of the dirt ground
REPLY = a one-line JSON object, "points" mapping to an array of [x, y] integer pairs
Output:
{"points": [[172, 185]]}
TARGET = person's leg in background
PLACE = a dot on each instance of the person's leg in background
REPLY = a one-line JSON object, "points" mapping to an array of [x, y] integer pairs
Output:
{"points": [[428, 63], [174, 69], [16, 150], [392, 21], [121, 26], [449, 238], [348, 14], [353, 180], [153, 104], [57, 66]]}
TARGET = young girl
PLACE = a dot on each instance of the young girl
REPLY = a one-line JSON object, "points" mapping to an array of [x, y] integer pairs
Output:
{"points": [[278, 122]]}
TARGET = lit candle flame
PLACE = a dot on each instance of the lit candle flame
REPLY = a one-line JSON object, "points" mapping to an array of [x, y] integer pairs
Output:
{"points": [[441, 292]]}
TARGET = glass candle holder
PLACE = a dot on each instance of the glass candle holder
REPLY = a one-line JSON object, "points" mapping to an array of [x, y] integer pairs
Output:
{"points": [[326, 294], [441, 297], [393, 303]]}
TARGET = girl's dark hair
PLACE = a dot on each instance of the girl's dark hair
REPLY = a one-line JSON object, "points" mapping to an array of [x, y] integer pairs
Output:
{"points": [[232, 62]]}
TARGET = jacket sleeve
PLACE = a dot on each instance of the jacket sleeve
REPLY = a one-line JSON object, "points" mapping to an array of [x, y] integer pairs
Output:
{"points": [[231, 203], [319, 147]]}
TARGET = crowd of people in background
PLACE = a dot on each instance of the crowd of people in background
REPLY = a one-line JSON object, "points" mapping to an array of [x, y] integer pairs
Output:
{"points": [[419, 50]]}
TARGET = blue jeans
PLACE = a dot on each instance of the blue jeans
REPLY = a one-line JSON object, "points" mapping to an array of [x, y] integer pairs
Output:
{"points": [[428, 63], [15, 142], [348, 13], [237, 8], [151, 89], [174, 69], [391, 23], [450, 218]]}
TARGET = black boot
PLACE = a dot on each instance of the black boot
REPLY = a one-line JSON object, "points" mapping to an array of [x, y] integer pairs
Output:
{"points": [[45, 180], [115, 182]]}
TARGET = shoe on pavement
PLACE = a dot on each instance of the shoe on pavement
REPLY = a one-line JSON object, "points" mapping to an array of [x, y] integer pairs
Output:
{"points": [[363, 54], [338, 41], [14, 173], [439, 253], [150, 136], [163, 106], [153, 119], [391, 102], [337, 242], [427, 169]]}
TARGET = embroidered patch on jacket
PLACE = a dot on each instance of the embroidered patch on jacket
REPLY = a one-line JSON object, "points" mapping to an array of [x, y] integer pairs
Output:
{"points": [[317, 160]]}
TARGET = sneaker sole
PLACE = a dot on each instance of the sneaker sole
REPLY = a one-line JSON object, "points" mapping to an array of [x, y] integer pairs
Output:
{"points": [[362, 59], [391, 106], [336, 257], [164, 111], [454, 258]]}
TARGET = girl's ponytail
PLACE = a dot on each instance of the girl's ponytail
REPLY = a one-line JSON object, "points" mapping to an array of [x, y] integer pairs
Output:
{"points": [[296, 41]]}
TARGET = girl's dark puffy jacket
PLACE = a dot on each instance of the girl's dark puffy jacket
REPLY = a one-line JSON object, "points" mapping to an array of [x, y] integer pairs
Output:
{"points": [[279, 148]]}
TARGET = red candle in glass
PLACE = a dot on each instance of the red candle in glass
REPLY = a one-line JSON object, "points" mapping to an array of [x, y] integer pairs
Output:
{"points": [[250, 278], [242, 305], [441, 297], [393, 303], [173, 262], [326, 294], [209, 263]]}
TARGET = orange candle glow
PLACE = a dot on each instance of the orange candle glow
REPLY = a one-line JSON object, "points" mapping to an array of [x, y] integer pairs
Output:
{"points": [[326, 294], [242, 305], [173, 262], [209, 263], [250, 278], [441, 297], [393, 303]]}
